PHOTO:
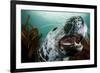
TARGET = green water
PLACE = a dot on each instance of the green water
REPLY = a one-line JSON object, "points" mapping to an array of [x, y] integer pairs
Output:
{"points": [[47, 20]]}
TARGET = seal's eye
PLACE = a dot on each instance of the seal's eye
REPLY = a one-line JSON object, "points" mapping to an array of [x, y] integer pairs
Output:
{"points": [[54, 28]]}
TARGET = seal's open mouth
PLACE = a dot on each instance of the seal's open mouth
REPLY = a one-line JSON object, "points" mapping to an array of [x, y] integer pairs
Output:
{"points": [[71, 43]]}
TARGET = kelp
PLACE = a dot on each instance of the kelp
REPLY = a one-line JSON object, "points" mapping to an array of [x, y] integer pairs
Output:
{"points": [[30, 42]]}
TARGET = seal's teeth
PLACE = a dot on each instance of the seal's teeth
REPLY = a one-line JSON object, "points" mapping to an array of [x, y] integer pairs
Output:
{"points": [[77, 44], [62, 47], [66, 43]]}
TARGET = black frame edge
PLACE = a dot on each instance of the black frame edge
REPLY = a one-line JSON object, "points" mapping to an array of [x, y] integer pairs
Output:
{"points": [[55, 68], [12, 36], [95, 37], [54, 4]]}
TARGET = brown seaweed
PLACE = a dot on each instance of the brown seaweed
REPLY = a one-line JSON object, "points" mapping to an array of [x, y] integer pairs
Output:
{"points": [[30, 38]]}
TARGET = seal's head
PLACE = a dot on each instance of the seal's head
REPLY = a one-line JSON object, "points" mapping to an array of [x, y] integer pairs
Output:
{"points": [[75, 30]]}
